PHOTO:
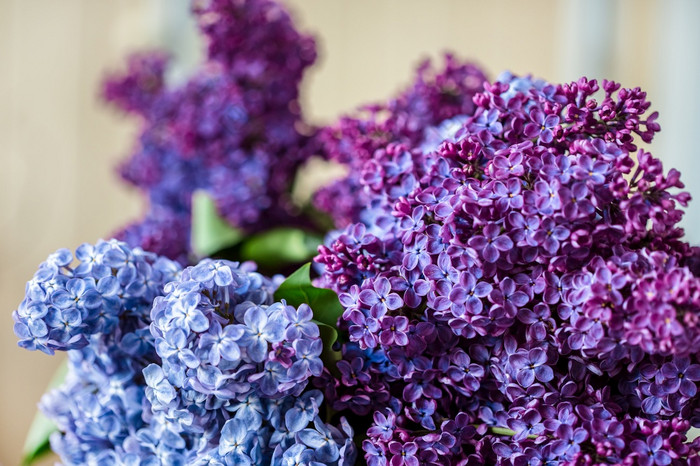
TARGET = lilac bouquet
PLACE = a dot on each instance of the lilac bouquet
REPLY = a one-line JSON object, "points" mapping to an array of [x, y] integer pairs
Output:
{"points": [[504, 281]]}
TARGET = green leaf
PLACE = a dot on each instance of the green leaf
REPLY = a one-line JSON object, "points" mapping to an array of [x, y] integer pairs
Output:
{"points": [[280, 246], [36, 445], [330, 357], [297, 289], [210, 232]]}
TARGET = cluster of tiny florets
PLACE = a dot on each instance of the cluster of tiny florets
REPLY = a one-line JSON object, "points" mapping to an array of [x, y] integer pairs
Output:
{"points": [[235, 365], [170, 366], [233, 129], [95, 304], [71, 298], [518, 293], [357, 141]]}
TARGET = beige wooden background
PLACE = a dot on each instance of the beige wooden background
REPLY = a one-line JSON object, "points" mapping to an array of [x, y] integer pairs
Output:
{"points": [[58, 144]]}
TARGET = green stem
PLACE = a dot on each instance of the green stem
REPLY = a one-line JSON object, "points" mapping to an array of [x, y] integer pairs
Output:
{"points": [[502, 431], [508, 432]]}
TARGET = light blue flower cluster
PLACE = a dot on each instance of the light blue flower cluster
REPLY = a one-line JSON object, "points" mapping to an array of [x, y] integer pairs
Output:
{"points": [[280, 432], [99, 415], [206, 369], [66, 302], [97, 306], [220, 334], [234, 369]]}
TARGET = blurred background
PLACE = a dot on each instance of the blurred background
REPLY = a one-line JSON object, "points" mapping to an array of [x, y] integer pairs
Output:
{"points": [[59, 144]]}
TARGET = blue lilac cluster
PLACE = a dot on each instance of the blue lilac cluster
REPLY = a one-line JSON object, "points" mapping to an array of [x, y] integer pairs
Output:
{"points": [[219, 333], [234, 129], [236, 364], [95, 304], [73, 299], [413, 116], [519, 293], [175, 367]]}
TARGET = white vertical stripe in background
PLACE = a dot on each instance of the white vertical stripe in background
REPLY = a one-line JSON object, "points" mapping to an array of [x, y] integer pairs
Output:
{"points": [[676, 83]]}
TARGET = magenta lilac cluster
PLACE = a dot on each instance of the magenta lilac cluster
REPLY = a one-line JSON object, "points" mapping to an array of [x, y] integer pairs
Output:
{"points": [[519, 293], [174, 367], [412, 117], [233, 129]]}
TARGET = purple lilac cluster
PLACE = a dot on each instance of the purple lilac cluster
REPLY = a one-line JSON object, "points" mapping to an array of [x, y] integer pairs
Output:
{"points": [[233, 129], [175, 367], [358, 142], [521, 293]]}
